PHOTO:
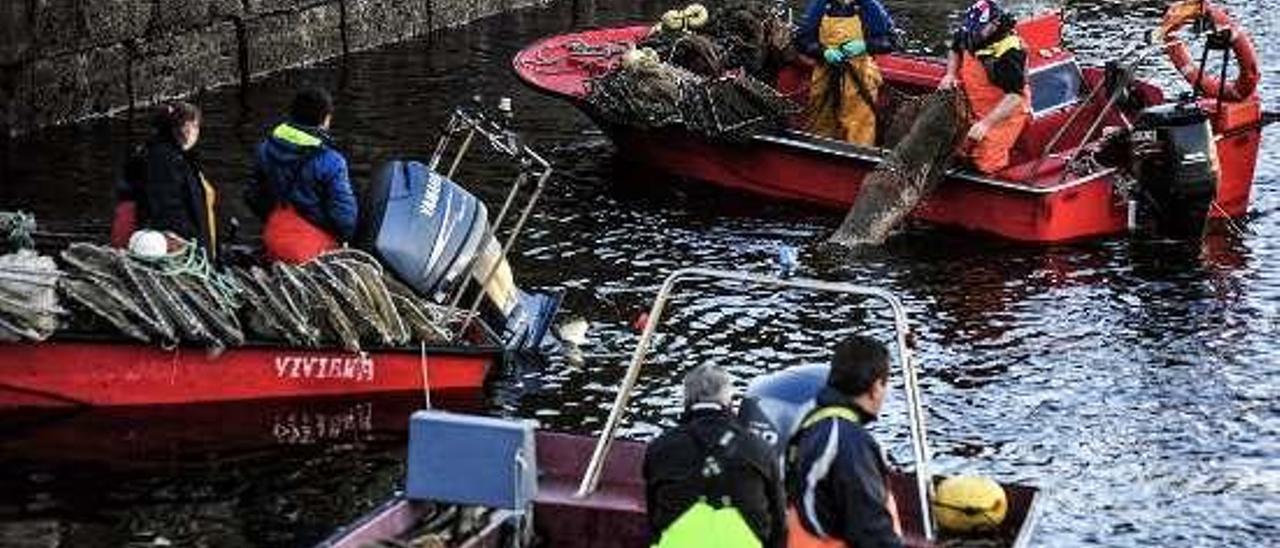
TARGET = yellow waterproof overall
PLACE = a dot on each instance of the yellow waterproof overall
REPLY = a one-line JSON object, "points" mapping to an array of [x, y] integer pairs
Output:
{"points": [[855, 119]]}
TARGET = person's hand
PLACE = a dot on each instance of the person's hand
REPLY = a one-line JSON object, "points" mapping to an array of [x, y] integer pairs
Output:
{"points": [[833, 56], [948, 81], [853, 48], [978, 131]]}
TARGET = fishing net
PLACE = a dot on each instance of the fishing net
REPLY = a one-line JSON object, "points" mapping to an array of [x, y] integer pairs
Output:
{"points": [[739, 34], [652, 95], [923, 133], [342, 298]]}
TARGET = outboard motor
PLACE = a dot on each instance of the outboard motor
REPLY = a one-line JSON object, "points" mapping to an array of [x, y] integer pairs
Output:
{"points": [[775, 404], [430, 231], [1176, 165]]}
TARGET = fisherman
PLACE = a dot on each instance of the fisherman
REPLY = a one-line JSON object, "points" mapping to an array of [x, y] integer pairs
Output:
{"points": [[836, 473], [989, 63], [163, 188], [841, 35], [300, 185], [710, 481]]}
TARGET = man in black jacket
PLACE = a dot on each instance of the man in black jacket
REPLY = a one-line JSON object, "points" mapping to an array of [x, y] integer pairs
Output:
{"points": [[836, 474], [709, 481]]}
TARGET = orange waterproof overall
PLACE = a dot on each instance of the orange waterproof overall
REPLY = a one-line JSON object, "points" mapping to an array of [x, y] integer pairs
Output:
{"points": [[991, 154], [855, 120]]}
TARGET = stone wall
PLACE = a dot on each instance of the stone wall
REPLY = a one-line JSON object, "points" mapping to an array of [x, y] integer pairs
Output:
{"points": [[65, 60]]}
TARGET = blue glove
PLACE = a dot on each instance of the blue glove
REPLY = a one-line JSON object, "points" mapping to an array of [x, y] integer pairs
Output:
{"points": [[854, 48], [833, 55]]}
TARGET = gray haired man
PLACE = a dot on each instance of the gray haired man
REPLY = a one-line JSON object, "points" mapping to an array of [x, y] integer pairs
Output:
{"points": [[709, 481]]}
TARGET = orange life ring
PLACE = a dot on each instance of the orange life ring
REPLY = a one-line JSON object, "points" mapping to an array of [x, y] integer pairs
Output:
{"points": [[1179, 15]]}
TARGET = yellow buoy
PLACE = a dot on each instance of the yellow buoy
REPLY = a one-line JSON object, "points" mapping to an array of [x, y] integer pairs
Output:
{"points": [[965, 504], [673, 20], [695, 16]]}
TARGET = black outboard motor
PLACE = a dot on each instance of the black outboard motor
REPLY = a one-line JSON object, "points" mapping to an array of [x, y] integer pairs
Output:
{"points": [[1176, 164]]}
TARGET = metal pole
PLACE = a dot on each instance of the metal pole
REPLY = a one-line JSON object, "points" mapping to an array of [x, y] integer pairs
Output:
{"points": [[462, 151], [511, 240], [910, 382], [492, 234]]}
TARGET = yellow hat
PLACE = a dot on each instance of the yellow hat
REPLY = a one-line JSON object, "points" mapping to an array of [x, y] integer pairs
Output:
{"points": [[966, 504]]}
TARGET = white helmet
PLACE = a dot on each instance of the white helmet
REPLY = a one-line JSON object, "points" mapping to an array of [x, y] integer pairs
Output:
{"points": [[148, 243]]}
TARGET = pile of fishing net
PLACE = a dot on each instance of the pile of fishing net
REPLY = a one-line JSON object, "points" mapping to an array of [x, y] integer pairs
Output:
{"points": [[646, 93], [342, 298], [29, 308], [750, 35], [923, 134]]}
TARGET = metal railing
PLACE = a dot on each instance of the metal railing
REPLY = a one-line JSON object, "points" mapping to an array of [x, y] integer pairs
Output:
{"points": [[472, 121], [910, 383]]}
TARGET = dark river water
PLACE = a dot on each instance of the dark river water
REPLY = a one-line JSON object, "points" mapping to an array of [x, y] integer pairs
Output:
{"points": [[1134, 380]]}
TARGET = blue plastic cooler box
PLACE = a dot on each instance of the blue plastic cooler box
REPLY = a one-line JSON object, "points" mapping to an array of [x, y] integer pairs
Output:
{"points": [[472, 460]]}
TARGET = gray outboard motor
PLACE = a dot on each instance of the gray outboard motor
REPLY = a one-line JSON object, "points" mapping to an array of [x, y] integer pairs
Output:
{"points": [[1176, 164], [429, 231], [774, 404]]}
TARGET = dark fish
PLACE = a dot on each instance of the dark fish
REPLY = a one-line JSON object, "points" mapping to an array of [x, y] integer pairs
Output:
{"points": [[422, 326]]}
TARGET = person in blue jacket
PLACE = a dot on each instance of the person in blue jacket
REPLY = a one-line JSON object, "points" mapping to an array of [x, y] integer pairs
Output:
{"points": [[837, 479], [300, 185], [841, 36]]}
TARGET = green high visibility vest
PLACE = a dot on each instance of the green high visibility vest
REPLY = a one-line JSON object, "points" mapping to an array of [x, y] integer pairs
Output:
{"points": [[702, 526]]}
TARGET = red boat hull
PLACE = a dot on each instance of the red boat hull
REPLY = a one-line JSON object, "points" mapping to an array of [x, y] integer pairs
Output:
{"points": [[61, 373], [1030, 201]]}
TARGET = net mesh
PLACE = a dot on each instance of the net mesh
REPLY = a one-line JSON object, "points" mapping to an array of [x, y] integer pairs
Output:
{"points": [[731, 107], [922, 134]]}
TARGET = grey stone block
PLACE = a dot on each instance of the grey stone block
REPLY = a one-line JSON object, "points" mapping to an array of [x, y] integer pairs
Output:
{"points": [[182, 63], [105, 22], [375, 22], [452, 13], [177, 15], [289, 39], [56, 26], [277, 6], [72, 86], [15, 31]]}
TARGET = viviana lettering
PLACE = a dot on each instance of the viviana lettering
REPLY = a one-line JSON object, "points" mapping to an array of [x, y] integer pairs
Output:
{"points": [[348, 368]]}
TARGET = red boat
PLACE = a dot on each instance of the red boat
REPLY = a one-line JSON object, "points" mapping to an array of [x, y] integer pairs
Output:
{"points": [[1036, 199], [69, 372]]}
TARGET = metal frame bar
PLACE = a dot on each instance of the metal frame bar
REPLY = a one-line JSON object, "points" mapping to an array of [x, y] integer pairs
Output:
{"points": [[502, 139], [910, 382]]}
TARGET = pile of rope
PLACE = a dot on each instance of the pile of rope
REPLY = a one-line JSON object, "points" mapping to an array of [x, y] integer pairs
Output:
{"points": [[924, 133], [341, 298], [647, 93]]}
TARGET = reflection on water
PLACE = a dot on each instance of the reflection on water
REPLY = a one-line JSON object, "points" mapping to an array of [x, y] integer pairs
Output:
{"points": [[1134, 379]]}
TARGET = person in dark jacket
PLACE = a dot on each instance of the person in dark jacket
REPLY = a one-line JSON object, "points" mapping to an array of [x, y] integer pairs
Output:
{"points": [[710, 481], [836, 473], [165, 185], [300, 185]]}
